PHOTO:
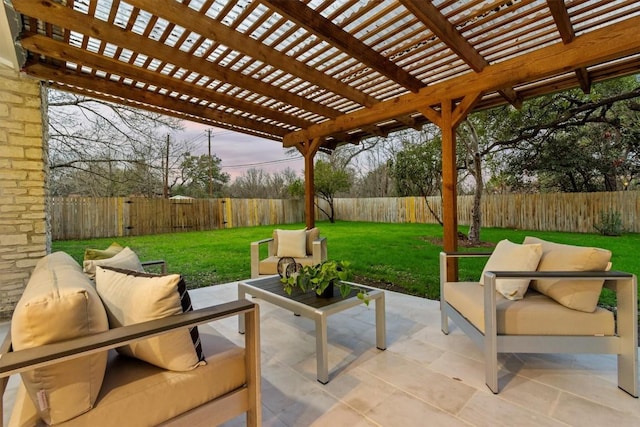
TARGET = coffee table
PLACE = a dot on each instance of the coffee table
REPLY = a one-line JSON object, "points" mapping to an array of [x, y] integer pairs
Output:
{"points": [[309, 305]]}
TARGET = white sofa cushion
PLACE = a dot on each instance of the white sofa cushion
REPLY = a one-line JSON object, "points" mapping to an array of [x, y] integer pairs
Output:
{"points": [[508, 256], [580, 295], [132, 297], [60, 303]]}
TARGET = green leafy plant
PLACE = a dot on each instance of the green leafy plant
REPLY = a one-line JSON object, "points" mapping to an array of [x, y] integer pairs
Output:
{"points": [[318, 278], [610, 224]]}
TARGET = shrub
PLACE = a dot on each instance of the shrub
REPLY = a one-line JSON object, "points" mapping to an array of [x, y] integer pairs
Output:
{"points": [[610, 224]]}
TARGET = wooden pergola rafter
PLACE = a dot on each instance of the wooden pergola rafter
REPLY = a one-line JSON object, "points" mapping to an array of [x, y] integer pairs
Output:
{"points": [[315, 74]]}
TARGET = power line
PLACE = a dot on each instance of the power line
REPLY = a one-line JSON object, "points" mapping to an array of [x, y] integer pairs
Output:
{"points": [[262, 163]]}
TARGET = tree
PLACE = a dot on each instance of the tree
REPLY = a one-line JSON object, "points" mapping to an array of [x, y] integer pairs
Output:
{"points": [[377, 182], [201, 176], [253, 184], [475, 136], [328, 181], [259, 184], [101, 149], [575, 142], [417, 167]]}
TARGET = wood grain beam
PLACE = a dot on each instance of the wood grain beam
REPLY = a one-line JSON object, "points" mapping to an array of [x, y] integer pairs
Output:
{"points": [[160, 110], [562, 20], [512, 97], [306, 17], [601, 45], [116, 92], [431, 16], [409, 121], [464, 107], [65, 17], [64, 52], [561, 17], [584, 80], [188, 18]]}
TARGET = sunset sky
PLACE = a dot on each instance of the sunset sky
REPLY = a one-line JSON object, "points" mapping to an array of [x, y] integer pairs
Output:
{"points": [[240, 152]]}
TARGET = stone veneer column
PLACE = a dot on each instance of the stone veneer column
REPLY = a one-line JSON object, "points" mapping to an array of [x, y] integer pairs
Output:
{"points": [[24, 231]]}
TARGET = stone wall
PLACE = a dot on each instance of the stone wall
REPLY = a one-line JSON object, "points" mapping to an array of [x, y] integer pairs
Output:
{"points": [[24, 232]]}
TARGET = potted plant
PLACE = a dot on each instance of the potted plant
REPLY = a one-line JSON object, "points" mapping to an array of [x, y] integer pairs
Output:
{"points": [[321, 279]]}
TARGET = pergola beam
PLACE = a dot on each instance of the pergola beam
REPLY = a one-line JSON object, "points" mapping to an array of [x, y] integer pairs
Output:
{"points": [[598, 46], [562, 20], [431, 16], [144, 99], [65, 17], [336, 36], [183, 15], [64, 52]]}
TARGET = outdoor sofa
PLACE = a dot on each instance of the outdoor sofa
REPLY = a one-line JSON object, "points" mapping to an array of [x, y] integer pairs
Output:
{"points": [[168, 373], [541, 297]]}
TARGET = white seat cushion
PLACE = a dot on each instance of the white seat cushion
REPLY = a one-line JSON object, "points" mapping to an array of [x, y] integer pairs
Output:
{"points": [[136, 393], [535, 314]]}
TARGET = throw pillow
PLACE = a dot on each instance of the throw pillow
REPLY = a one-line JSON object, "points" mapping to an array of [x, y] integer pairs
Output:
{"points": [[132, 297], [59, 303], [579, 295], [126, 259], [313, 234], [508, 256], [93, 254], [292, 243]]}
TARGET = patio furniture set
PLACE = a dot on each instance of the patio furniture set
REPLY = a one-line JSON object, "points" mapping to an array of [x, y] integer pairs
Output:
{"points": [[106, 353]]}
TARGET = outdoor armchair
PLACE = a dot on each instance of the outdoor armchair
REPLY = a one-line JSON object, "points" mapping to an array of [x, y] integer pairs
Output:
{"points": [[538, 323], [305, 246]]}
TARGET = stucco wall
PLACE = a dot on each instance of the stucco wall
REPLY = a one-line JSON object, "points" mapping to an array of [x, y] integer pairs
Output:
{"points": [[24, 233]]}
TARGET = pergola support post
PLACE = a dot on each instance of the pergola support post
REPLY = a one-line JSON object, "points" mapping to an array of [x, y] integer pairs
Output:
{"points": [[449, 188], [448, 119], [308, 150]]}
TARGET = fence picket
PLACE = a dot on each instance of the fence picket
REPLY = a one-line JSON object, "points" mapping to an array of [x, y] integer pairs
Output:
{"points": [[85, 218]]}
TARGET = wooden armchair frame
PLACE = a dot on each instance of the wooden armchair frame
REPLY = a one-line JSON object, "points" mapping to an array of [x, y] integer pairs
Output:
{"points": [[246, 399], [624, 343]]}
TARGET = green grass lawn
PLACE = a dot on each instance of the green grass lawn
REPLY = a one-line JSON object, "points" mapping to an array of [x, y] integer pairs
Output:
{"points": [[400, 255]]}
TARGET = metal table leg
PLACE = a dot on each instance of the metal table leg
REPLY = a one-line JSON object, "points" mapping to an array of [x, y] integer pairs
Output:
{"points": [[381, 327], [322, 353]]}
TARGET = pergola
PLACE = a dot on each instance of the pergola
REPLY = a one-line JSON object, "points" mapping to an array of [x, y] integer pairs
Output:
{"points": [[315, 74]]}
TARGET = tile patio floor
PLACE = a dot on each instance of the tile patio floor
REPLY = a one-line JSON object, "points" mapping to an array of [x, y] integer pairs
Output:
{"points": [[424, 378]]}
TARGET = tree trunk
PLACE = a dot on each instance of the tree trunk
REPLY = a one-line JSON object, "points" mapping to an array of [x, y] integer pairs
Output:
{"points": [[476, 213], [474, 166]]}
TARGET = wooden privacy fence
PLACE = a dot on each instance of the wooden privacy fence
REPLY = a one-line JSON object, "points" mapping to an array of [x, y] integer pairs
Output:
{"points": [[571, 212], [83, 218]]}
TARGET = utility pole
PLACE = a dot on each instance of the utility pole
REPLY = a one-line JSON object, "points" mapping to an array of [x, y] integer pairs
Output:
{"points": [[210, 167], [165, 189]]}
